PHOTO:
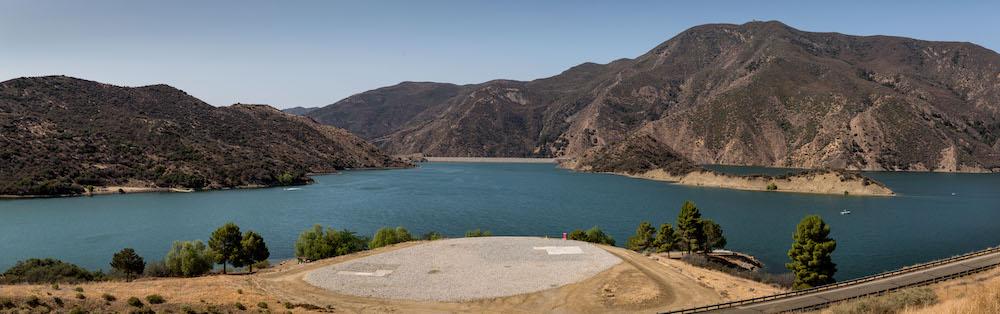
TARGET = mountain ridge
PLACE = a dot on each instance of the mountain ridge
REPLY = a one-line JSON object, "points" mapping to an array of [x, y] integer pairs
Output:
{"points": [[759, 94], [63, 135]]}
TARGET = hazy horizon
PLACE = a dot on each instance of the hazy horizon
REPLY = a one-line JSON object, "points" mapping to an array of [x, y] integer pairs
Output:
{"points": [[318, 53]]}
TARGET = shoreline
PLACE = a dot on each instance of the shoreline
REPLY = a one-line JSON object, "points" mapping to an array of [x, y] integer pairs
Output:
{"points": [[799, 183], [115, 190], [499, 160]]}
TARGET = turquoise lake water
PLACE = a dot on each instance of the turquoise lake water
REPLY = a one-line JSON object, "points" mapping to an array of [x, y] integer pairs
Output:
{"points": [[924, 222]]}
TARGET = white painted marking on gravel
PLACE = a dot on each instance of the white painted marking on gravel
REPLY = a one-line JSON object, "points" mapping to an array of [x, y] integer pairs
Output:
{"points": [[377, 273], [560, 250]]}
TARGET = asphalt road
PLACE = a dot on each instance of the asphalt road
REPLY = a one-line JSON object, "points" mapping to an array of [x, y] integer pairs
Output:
{"points": [[869, 287]]}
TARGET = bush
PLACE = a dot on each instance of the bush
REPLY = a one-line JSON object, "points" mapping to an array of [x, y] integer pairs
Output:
{"points": [[315, 244], [142, 311], [262, 264], [262, 304], [33, 301], [77, 310], [58, 301], [133, 301], [240, 306], [78, 289], [155, 299], [80, 296], [55, 286], [7, 304], [189, 258], [772, 187], [108, 297], [47, 271], [478, 233], [157, 269], [389, 236], [592, 235], [431, 236], [890, 303]]}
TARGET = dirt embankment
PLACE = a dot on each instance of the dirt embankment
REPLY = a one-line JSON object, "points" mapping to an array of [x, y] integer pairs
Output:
{"points": [[818, 181]]}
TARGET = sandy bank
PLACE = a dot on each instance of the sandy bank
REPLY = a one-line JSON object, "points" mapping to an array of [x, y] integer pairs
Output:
{"points": [[493, 160], [816, 182]]}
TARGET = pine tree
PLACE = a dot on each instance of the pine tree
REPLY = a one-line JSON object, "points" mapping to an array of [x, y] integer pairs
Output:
{"points": [[811, 254], [643, 238], [689, 227], [714, 239], [225, 241], [128, 262], [254, 249], [666, 238]]}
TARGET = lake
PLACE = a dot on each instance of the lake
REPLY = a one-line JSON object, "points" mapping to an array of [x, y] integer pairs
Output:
{"points": [[924, 222]]}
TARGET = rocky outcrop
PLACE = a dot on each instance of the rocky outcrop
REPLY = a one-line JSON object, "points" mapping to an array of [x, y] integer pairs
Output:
{"points": [[760, 93]]}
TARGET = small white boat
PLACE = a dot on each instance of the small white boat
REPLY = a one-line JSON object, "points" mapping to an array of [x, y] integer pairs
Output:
{"points": [[954, 194], [845, 212], [292, 189]]}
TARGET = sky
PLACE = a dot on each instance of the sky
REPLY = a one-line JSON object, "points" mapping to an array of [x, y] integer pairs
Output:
{"points": [[301, 53]]}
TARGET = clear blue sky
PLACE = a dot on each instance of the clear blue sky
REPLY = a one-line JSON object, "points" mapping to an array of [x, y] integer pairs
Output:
{"points": [[315, 53]]}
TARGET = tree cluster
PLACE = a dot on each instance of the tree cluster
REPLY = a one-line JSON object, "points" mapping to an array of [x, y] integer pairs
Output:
{"points": [[693, 234], [592, 235], [315, 243], [238, 249]]}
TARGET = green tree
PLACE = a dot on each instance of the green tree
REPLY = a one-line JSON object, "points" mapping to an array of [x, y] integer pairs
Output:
{"points": [[643, 238], [128, 262], [189, 258], [388, 236], [811, 254], [254, 249], [577, 234], [665, 239], [225, 241], [345, 241], [714, 239], [689, 227], [596, 235], [312, 244], [286, 179], [315, 244]]}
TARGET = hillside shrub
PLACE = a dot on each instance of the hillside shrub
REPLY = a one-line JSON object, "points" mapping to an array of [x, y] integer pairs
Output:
{"points": [[47, 271], [189, 258], [133, 301], [389, 236], [315, 243], [155, 299], [478, 233], [592, 235]]}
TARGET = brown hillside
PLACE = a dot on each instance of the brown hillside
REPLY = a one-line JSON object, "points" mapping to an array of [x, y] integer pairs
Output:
{"points": [[61, 134], [761, 93]]}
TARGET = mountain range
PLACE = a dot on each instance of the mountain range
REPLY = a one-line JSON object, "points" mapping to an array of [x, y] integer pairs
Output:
{"points": [[64, 136], [760, 94]]}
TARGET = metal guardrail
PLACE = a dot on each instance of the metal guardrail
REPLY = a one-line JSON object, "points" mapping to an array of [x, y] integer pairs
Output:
{"points": [[897, 288], [836, 285]]}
